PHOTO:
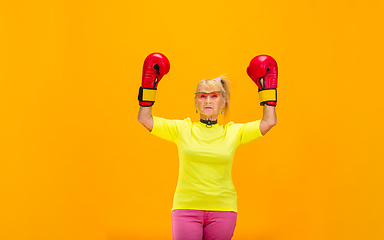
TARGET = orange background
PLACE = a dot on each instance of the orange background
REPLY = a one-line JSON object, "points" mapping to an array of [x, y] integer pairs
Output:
{"points": [[76, 165]]}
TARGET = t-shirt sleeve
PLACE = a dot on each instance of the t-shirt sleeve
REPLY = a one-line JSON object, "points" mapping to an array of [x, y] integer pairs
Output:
{"points": [[247, 132], [168, 129]]}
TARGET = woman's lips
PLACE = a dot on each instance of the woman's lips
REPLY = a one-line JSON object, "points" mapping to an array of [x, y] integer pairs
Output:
{"points": [[208, 108]]}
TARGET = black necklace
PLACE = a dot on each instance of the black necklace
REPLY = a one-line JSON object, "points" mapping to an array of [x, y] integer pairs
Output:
{"points": [[208, 122]]}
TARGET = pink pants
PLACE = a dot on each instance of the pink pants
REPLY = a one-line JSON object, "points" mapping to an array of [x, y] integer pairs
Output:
{"points": [[199, 224]]}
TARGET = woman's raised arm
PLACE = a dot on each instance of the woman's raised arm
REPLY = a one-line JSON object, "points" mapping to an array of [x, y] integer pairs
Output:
{"points": [[263, 71], [156, 65]]}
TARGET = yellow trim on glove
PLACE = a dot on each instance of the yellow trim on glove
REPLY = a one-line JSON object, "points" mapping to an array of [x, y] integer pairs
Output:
{"points": [[149, 95], [268, 95]]}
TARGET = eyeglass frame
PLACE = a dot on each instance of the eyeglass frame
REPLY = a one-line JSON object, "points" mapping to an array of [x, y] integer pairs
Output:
{"points": [[209, 94]]}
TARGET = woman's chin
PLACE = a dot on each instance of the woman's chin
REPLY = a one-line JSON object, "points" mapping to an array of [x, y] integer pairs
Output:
{"points": [[209, 114]]}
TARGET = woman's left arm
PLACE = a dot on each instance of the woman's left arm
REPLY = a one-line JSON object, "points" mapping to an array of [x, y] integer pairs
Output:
{"points": [[269, 119], [263, 71]]}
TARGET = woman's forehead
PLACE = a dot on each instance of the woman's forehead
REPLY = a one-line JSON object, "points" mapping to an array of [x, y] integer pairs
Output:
{"points": [[208, 89]]}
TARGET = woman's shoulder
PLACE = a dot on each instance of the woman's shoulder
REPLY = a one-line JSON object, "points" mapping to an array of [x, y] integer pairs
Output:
{"points": [[231, 126], [237, 126], [179, 123], [176, 120]]}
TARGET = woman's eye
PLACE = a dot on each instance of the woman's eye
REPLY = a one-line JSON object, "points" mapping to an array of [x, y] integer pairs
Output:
{"points": [[214, 95]]}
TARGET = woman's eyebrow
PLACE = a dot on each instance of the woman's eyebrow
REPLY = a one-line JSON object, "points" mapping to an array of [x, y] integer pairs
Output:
{"points": [[209, 92]]}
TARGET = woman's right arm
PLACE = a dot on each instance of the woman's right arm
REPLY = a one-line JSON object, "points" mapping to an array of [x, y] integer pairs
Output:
{"points": [[145, 117]]}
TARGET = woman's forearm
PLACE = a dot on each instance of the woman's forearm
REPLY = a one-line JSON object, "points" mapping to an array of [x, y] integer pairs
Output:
{"points": [[269, 119], [145, 117]]}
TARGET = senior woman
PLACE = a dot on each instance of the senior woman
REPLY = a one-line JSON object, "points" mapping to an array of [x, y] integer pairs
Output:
{"points": [[205, 200]]}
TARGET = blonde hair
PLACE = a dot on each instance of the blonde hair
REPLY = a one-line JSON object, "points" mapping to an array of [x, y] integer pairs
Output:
{"points": [[221, 83]]}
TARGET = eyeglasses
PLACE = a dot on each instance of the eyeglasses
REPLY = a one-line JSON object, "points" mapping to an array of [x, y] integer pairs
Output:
{"points": [[204, 95]]}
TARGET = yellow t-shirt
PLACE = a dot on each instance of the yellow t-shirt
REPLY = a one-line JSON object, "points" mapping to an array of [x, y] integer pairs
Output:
{"points": [[205, 161]]}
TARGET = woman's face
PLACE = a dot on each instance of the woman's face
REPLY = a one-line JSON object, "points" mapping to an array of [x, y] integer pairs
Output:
{"points": [[209, 102]]}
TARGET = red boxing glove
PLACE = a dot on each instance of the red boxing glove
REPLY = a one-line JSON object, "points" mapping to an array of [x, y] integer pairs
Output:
{"points": [[263, 71], [156, 65]]}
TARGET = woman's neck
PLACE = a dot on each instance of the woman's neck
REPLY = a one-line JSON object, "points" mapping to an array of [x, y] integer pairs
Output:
{"points": [[211, 118]]}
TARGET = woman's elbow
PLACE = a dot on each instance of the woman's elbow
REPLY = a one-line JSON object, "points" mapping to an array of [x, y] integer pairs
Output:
{"points": [[147, 123], [139, 119], [265, 126], [274, 123], [142, 121], [270, 124]]}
